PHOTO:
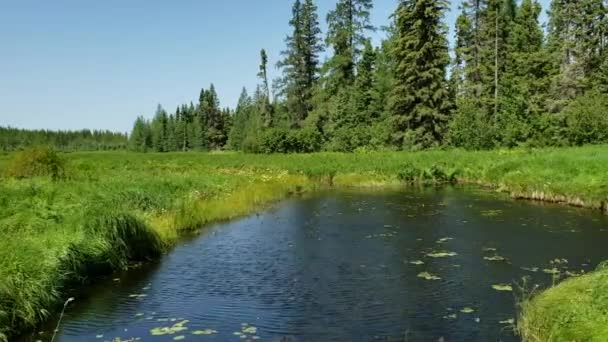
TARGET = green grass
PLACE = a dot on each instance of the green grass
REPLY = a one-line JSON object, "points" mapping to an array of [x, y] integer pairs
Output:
{"points": [[574, 310], [114, 208]]}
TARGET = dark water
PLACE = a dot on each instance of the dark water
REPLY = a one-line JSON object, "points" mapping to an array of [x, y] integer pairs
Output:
{"points": [[338, 267]]}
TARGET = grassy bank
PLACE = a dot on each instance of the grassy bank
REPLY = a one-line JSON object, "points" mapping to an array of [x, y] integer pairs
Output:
{"points": [[115, 208], [575, 310]]}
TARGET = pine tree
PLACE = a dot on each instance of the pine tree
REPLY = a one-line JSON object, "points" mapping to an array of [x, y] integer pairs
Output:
{"points": [[578, 35], [420, 99], [347, 24], [364, 83], [241, 117], [266, 109], [159, 130], [140, 139], [300, 62], [199, 133]]}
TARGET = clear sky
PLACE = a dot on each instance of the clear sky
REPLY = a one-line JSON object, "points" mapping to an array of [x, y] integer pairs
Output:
{"points": [[71, 64]]}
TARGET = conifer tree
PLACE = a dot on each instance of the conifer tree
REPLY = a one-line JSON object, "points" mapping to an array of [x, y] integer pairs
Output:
{"points": [[347, 24], [140, 139], [240, 120], [300, 62], [266, 109], [364, 83], [420, 99]]}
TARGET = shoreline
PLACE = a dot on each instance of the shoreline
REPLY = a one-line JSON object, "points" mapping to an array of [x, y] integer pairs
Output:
{"points": [[241, 191]]}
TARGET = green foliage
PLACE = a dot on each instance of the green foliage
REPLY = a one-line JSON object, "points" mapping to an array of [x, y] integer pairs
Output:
{"points": [[509, 84], [420, 100], [14, 139], [348, 23], [434, 175], [37, 162], [471, 127], [278, 140], [587, 120], [300, 62], [115, 205]]}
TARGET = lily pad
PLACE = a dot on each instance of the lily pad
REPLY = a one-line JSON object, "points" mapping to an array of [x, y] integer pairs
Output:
{"points": [[495, 258], [417, 262], [551, 271], [445, 239], [175, 328], [450, 316], [204, 332], [138, 296], [428, 276], [491, 213], [530, 269], [250, 330], [179, 338], [467, 310], [509, 321], [502, 287], [489, 249], [441, 254]]}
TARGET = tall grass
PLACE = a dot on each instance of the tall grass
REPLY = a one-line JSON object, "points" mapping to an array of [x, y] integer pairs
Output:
{"points": [[119, 207]]}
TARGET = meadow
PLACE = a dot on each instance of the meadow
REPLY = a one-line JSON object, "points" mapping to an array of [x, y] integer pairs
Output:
{"points": [[105, 211]]}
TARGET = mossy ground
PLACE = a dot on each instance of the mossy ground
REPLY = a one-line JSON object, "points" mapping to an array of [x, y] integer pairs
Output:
{"points": [[116, 207]]}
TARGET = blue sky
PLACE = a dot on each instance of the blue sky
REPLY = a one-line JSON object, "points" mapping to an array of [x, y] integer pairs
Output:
{"points": [[71, 64]]}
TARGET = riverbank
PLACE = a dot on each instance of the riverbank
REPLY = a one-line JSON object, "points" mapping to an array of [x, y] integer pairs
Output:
{"points": [[116, 208]]}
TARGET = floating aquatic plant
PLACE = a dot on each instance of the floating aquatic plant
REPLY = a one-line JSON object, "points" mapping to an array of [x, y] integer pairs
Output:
{"points": [[502, 287], [428, 276], [175, 328], [491, 213], [552, 271], [441, 254], [495, 258], [417, 262], [204, 332], [467, 310], [509, 321]]}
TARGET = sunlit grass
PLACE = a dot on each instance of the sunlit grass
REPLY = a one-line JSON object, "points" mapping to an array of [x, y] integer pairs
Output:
{"points": [[119, 207], [575, 310]]}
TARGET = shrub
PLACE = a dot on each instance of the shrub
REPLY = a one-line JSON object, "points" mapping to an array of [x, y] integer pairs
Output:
{"points": [[307, 140], [36, 162], [280, 140], [471, 128], [436, 174], [587, 119]]}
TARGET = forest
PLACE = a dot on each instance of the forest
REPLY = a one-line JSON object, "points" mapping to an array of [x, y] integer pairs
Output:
{"points": [[507, 81]]}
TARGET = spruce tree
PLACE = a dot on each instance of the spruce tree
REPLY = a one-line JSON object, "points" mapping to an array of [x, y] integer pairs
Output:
{"points": [[578, 34], [364, 83], [347, 24], [159, 130], [266, 109], [139, 140], [240, 120], [300, 62], [420, 99]]}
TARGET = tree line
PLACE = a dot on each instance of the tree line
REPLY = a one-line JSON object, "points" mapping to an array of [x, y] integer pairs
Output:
{"points": [[507, 82], [12, 139]]}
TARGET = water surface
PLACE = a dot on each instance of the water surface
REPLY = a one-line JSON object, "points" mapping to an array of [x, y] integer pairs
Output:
{"points": [[347, 266]]}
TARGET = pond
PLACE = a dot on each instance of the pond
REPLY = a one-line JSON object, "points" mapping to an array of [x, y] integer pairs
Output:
{"points": [[418, 264]]}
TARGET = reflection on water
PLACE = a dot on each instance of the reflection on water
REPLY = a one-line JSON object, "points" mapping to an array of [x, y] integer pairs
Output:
{"points": [[387, 266]]}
